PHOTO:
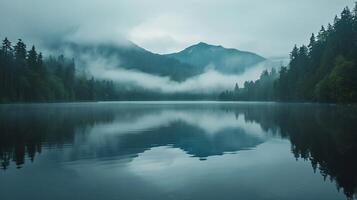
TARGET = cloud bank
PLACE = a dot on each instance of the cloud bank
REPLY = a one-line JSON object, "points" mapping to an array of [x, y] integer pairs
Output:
{"points": [[269, 29], [210, 81]]}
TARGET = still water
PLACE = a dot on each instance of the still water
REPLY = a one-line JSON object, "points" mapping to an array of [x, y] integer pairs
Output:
{"points": [[178, 150]]}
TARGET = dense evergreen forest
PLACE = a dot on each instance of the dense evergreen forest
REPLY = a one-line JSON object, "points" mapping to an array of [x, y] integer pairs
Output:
{"points": [[25, 76], [260, 90], [323, 71]]}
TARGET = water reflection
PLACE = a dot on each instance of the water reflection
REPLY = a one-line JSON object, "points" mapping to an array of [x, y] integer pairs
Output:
{"points": [[326, 136]]}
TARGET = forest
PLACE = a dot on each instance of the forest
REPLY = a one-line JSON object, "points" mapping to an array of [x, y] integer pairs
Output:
{"points": [[323, 71], [25, 76]]}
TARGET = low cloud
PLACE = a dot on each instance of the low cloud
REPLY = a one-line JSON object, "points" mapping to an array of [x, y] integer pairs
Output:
{"points": [[165, 26], [210, 81]]}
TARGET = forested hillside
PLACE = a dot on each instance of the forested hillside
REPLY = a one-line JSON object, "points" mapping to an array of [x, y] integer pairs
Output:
{"points": [[323, 71], [25, 76], [224, 60], [260, 90], [132, 57]]}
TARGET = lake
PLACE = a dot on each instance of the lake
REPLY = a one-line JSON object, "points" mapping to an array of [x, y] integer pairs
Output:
{"points": [[178, 150]]}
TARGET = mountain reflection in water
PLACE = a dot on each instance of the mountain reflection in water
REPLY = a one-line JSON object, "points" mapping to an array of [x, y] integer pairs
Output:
{"points": [[325, 136]]}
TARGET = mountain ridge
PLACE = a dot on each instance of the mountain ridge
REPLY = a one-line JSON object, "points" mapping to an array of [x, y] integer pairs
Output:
{"points": [[177, 66], [133, 57], [225, 60]]}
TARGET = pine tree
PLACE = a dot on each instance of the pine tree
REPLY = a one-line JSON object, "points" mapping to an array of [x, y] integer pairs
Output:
{"points": [[322, 36], [6, 47], [20, 52], [330, 28], [294, 53], [312, 43], [32, 59], [236, 88]]}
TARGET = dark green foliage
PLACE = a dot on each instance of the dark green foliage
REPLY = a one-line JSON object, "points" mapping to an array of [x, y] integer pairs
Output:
{"points": [[340, 84], [26, 77], [224, 60], [133, 57], [327, 70], [260, 90], [323, 71]]}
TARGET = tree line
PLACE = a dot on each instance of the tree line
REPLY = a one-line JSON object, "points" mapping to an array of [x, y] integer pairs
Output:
{"points": [[260, 90], [323, 71], [25, 76]]}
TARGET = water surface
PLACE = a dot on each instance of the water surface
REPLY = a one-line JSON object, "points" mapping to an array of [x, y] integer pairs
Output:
{"points": [[178, 150]]}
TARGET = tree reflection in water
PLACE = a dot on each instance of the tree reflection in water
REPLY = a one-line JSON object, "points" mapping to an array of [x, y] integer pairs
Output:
{"points": [[324, 135]]}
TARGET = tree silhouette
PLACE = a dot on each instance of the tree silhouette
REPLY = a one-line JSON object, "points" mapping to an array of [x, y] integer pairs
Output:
{"points": [[323, 71], [27, 77]]}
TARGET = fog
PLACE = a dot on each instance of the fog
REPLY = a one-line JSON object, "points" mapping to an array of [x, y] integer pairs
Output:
{"points": [[161, 26], [211, 81], [165, 27]]}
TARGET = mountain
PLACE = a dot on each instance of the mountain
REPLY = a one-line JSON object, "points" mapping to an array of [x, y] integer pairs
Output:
{"points": [[132, 57], [225, 60], [180, 66]]}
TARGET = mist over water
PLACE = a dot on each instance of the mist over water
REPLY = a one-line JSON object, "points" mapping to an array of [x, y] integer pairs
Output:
{"points": [[177, 150], [211, 81], [178, 100]]}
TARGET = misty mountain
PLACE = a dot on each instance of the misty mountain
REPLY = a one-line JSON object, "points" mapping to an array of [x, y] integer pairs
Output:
{"points": [[192, 61], [132, 57], [225, 60]]}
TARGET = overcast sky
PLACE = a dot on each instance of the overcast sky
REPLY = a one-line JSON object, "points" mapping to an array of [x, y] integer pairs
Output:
{"points": [[269, 28]]}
